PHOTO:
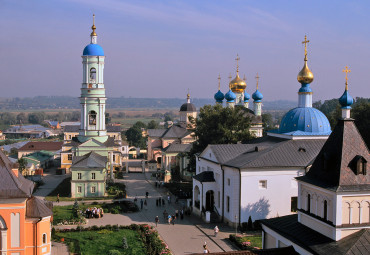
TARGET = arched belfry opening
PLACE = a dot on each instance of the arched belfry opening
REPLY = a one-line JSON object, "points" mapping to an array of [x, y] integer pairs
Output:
{"points": [[92, 118]]}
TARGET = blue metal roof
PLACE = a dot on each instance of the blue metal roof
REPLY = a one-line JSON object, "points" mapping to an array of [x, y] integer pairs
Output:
{"points": [[219, 96], [246, 96], [257, 96], [306, 119], [346, 100], [230, 96], [93, 50]]}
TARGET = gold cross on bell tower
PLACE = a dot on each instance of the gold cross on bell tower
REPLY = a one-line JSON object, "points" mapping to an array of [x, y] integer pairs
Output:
{"points": [[347, 71], [305, 47], [237, 63], [257, 78]]}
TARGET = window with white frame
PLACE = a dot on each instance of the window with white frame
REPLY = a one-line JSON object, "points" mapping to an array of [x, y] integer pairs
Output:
{"points": [[262, 184], [93, 189], [79, 189], [93, 176], [79, 176]]}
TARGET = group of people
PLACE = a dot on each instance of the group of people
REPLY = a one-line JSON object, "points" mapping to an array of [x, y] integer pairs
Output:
{"points": [[94, 212]]}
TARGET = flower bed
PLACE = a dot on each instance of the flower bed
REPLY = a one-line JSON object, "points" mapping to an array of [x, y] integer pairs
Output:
{"points": [[138, 239], [247, 242]]}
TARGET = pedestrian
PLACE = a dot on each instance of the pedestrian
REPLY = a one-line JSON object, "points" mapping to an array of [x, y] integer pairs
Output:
{"points": [[147, 194], [156, 202], [169, 219], [205, 249], [165, 215], [141, 204], [145, 205], [173, 219], [216, 230], [58, 198], [182, 214], [169, 199], [156, 221], [163, 203], [177, 213]]}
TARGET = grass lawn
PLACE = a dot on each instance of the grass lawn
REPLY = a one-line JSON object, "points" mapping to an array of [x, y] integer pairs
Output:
{"points": [[248, 242], [102, 241], [62, 212]]}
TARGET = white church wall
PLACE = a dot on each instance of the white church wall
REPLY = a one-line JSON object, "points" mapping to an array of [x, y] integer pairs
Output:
{"points": [[268, 193], [231, 195]]}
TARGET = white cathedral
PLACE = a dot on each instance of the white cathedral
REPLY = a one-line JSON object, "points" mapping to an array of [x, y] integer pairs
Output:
{"points": [[257, 180]]}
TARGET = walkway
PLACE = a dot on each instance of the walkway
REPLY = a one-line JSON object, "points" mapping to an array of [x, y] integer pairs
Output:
{"points": [[187, 236], [51, 181]]}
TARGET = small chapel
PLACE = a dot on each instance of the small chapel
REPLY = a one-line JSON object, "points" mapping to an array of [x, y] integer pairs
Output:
{"points": [[333, 213], [237, 96], [93, 153]]}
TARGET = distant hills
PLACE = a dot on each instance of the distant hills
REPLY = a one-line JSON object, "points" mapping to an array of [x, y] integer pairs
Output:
{"points": [[65, 102]]}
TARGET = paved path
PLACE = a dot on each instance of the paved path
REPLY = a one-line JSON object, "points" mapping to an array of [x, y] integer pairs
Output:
{"points": [[51, 181], [187, 236]]}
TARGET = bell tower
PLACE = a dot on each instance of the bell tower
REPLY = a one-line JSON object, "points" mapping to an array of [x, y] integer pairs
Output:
{"points": [[93, 98]]}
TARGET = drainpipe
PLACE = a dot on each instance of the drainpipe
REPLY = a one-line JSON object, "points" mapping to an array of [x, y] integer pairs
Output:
{"points": [[223, 193], [36, 233], [201, 207], [240, 195]]}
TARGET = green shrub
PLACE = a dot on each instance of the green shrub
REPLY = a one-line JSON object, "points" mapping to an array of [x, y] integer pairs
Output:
{"points": [[95, 227], [124, 243], [114, 252]]}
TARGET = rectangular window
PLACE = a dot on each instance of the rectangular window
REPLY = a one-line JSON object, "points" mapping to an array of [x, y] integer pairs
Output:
{"points": [[228, 182], [293, 204], [93, 176], [114, 158], [93, 189], [44, 238], [79, 176], [70, 137], [262, 184], [228, 204], [79, 189], [69, 156]]}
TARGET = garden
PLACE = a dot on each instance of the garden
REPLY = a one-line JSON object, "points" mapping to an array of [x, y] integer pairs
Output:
{"points": [[74, 214], [247, 242], [112, 240]]}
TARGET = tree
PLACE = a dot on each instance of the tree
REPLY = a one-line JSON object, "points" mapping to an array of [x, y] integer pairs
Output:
{"points": [[267, 121], [219, 125], [22, 162], [153, 124], [134, 135], [21, 118], [361, 113], [36, 117]]}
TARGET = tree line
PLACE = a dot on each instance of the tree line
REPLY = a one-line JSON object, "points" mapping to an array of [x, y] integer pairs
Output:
{"points": [[8, 118]]}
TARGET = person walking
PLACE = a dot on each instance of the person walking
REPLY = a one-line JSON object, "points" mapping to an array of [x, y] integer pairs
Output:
{"points": [[145, 205], [156, 221], [169, 219], [205, 249], [58, 198], [173, 219], [177, 213], [216, 230], [182, 214], [141, 204]]}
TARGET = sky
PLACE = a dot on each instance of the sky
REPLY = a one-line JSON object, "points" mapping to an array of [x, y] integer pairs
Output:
{"points": [[163, 48]]}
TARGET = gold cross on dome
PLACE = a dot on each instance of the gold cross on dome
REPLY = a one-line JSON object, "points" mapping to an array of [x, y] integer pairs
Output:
{"points": [[347, 71], [305, 45], [93, 19], [257, 78], [237, 63]]}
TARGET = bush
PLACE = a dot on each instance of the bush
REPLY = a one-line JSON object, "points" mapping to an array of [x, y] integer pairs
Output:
{"points": [[124, 243], [95, 227], [250, 223], [114, 252], [114, 210]]}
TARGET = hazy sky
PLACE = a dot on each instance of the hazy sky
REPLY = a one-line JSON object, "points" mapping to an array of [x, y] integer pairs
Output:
{"points": [[162, 48]]}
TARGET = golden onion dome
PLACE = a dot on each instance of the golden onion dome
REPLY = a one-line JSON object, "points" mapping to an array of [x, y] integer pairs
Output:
{"points": [[305, 76], [237, 84], [93, 33]]}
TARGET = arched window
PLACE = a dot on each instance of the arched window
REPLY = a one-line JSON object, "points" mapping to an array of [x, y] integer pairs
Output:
{"points": [[325, 210], [308, 203], [92, 74], [92, 118], [44, 238]]}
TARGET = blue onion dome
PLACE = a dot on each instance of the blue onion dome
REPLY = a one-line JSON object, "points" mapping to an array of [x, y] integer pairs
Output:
{"points": [[346, 100], [93, 50], [219, 96], [257, 96], [246, 96], [230, 96], [305, 119]]}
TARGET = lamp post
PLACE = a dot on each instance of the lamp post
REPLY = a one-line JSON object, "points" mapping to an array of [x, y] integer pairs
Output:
{"points": [[236, 225]]}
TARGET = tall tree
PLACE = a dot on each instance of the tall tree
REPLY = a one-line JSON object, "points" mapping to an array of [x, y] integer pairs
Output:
{"points": [[219, 125], [153, 124], [361, 114], [134, 135]]}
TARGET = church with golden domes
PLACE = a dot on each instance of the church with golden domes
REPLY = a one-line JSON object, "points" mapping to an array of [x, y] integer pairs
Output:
{"points": [[238, 96]]}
